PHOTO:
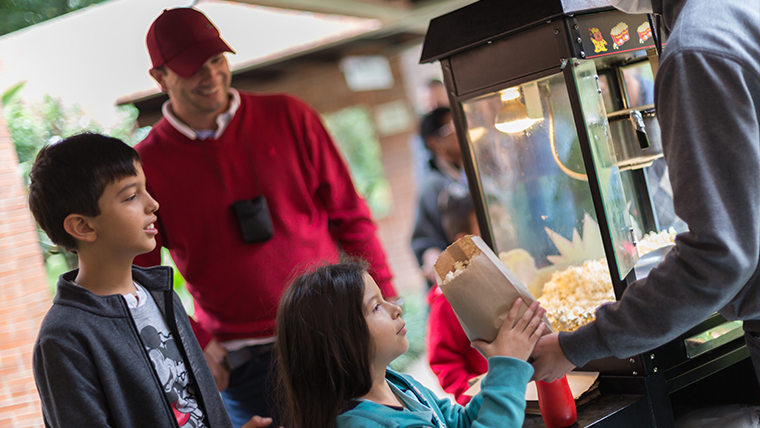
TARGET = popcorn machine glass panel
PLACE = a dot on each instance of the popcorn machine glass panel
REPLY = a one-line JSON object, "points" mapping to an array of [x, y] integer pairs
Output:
{"points": [[535, 186], [606, 165], [535, 64]]}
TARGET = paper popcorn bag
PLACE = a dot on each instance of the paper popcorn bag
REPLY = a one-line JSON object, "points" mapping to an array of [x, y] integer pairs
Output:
{"points": [[480, 288]]}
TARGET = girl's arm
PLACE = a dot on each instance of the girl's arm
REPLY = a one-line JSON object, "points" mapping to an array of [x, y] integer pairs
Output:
{"points": [[501, 401]]}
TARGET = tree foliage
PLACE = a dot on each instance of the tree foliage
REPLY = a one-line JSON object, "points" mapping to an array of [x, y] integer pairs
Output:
{"points": [[32, 125], [18, 14], [35, 124], [354, 133]]}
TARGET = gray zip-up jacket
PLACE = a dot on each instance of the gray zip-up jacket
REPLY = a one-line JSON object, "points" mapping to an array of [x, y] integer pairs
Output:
{"points": [[707, 95], [91, 368]]}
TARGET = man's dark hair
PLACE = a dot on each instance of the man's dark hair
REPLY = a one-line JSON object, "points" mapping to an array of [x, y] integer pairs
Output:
{"points": [[323, 344], [456, 206], [433, 121], [69, 177]]}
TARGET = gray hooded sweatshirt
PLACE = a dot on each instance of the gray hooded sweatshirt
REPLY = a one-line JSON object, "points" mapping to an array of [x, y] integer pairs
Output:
{"points": [[707, 95], [91, 367]]}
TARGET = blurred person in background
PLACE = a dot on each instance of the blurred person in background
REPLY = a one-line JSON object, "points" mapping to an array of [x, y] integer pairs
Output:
{"points": [[435, 97], [428, 236]]}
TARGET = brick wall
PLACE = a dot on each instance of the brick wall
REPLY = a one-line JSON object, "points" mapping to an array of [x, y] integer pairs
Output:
{"points": [[323, 86], [24, 295]]}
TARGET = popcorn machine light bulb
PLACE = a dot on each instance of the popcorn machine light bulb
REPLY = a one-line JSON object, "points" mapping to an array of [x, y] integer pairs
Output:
{"points": [[513, 117]]}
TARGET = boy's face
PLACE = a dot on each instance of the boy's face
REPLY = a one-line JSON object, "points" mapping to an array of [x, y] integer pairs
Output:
{"points": [[126, 224]]}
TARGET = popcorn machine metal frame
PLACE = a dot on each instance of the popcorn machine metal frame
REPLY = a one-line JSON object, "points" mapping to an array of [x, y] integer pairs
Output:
{"points": [[492, 45]]}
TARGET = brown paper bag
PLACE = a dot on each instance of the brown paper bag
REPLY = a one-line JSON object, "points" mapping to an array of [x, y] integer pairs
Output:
{"points": [[483, 293]]}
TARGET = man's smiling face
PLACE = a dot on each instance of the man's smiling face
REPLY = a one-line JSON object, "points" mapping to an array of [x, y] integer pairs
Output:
{"points": [[202, 96]]}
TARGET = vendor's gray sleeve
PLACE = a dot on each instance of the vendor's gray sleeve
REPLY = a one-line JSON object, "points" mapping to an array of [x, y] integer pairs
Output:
{"points": [[707, 104]]}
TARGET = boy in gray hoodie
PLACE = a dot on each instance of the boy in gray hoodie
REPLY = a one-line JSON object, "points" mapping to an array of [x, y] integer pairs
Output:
{"points": [[116, 348]]}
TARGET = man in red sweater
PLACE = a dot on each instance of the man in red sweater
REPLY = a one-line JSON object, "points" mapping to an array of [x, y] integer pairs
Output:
{"points": [[252, 192]]}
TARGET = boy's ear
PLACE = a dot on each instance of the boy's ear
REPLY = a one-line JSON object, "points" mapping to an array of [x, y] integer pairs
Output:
{"points": [[159, 77], [79, 227]]}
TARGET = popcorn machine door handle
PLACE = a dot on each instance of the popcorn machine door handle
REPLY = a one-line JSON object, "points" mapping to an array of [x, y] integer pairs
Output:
{"points": [[641, 129]]}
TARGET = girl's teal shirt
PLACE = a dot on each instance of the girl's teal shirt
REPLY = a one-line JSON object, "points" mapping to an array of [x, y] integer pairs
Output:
{"points": [[500, 403]]}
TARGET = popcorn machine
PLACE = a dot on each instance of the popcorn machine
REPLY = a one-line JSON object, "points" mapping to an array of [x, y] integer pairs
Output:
{"points": [[553, 106]]}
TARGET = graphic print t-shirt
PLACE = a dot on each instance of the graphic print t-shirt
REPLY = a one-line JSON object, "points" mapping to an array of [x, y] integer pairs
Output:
{"points": [[166, 358]]}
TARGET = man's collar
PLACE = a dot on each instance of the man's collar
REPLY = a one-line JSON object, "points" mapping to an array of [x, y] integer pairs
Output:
{"points": [[222, 120]]}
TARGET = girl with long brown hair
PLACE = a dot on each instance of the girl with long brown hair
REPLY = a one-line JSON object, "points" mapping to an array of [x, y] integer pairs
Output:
{"points": [[336, 337]]}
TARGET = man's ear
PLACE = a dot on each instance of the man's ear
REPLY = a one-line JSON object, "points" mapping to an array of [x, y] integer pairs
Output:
{"points": [[159, 77], [79, 227]]}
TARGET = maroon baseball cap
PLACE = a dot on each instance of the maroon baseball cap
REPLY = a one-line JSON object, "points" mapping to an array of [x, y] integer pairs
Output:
{"points": [[183, 39]]}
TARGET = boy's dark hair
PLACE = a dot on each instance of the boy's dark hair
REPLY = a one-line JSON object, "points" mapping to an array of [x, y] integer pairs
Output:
{"points": [[69, 177], [456, 206], [323, 344], [433, 121]]}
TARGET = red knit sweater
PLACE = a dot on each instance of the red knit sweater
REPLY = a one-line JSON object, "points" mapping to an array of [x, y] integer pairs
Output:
{"points": [[312, 201]]}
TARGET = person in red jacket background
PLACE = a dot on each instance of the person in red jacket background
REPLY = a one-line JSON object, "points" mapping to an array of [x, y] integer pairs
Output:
{"points": [[450, 355], [253, 191]]}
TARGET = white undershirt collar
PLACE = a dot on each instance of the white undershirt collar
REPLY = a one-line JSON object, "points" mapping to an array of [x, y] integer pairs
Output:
{"points": [[138, 298], [222, 120]]}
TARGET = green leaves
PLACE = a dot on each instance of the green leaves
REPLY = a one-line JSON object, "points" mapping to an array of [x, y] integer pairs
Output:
{"points": [[354, 133], [9, 94], [18, 14]]}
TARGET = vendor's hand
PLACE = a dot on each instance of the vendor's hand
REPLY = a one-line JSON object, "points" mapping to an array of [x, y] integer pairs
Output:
{"points": [[215, 353], [258, 422], [549, 361], [429, 257], [517, 342]]}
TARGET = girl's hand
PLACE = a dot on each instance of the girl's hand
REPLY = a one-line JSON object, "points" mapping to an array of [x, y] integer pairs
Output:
{"points": [[517, 342], [258, 422]]}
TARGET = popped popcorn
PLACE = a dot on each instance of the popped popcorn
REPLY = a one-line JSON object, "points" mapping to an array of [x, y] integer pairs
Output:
{"points": [[654, 240], [459, 267], [571, 296]]}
